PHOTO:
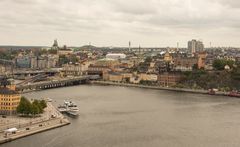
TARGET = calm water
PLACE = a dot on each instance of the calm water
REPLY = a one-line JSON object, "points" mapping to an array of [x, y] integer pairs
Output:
{"points": [[131, 117]]}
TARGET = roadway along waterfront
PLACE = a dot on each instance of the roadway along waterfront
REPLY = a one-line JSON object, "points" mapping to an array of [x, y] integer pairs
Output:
{"points": [[135, 117], [34, 125], [156, 87]]}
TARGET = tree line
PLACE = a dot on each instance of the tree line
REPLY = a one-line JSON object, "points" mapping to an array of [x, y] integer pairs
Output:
{"points": [[220, 78], [27, 108]]}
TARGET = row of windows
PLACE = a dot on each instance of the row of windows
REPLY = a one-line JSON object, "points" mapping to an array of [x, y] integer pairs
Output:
{"points": [[9, 104], [10, 99], [11, 95], [98, 69], [8, 108]]}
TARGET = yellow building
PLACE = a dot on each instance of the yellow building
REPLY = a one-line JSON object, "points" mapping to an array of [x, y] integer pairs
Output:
{"points": [[115, 77], [9, 100]]}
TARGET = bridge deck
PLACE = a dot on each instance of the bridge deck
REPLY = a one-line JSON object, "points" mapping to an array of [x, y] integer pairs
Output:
{"points": [[57, 83]]}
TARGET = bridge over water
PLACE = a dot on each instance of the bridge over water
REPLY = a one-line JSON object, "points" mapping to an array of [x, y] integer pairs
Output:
{"points": [[22, 74], [57, 83]]}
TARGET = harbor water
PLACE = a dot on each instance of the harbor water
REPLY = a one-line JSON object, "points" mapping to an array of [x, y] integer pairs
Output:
{"points": [[134, 117]]}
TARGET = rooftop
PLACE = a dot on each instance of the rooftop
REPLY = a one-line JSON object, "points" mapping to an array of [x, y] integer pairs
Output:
{"points": [[7, 91]]}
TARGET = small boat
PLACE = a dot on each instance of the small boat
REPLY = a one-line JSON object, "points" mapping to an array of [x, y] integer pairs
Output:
{"points": [[211, 92], [234, 94], [72, 113], [61, 106], [62, 110], [70, 104], [75, 109]]}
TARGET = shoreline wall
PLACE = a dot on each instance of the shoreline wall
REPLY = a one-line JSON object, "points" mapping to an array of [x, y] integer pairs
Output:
{"points": [[155, 87]]}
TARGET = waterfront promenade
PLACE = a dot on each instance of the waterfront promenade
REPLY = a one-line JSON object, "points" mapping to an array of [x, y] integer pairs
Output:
{"points": [[29, 126], [197, 91]]}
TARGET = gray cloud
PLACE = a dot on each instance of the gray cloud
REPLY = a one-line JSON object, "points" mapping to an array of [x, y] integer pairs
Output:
{"points": [[106, 22]]}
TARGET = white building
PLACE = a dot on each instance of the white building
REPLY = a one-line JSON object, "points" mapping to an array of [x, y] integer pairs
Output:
{"points": [[74, 69], [116, 56]]}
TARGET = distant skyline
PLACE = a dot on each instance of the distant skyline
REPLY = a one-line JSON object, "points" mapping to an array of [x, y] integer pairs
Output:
{"points": [[152, 23]]}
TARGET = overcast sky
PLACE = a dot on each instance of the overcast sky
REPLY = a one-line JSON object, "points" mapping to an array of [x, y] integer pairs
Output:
{"points": [[152, 23]]}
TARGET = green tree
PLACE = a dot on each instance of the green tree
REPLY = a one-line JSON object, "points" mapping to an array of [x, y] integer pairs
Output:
{"points": [[35, 109], [235, 75], [37, 104], [219, 64], [63, 60], [195, 67], [27, 108], [24, 106], [148, 60], [43, 104], [73, 59]]}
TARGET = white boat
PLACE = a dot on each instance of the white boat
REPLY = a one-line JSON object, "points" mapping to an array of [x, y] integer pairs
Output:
{"points": [[62, 110], [74, 109], [73, 113], [70, 104], [69, 107]]}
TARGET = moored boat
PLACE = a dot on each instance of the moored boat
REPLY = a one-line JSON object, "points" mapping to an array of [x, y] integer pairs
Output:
{"points": [[69, 107], [234, 94], [73, 113], [211, 92]]}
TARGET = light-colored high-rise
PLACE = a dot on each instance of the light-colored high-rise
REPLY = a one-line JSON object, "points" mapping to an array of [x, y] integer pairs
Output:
{"points": [[195, 46]]}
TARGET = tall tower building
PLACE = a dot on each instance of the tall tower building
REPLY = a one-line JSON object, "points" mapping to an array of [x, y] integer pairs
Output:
{"points": [[195, 46], [55, 44], [129, 46], [177, 46]]}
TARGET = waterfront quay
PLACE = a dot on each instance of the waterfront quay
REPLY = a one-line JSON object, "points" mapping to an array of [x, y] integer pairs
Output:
{"points": [[197, 91], [50, 119]]}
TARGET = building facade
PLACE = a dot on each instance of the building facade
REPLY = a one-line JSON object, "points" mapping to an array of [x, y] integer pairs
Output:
{"points": [[23, 61], [9, 99], [116, 56], [169, 79], [74, 69], [185, 64], [98, 70], [202, 60]]}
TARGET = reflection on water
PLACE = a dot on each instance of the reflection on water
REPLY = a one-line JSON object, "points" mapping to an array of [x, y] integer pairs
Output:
{"points": [[132, 117]]}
